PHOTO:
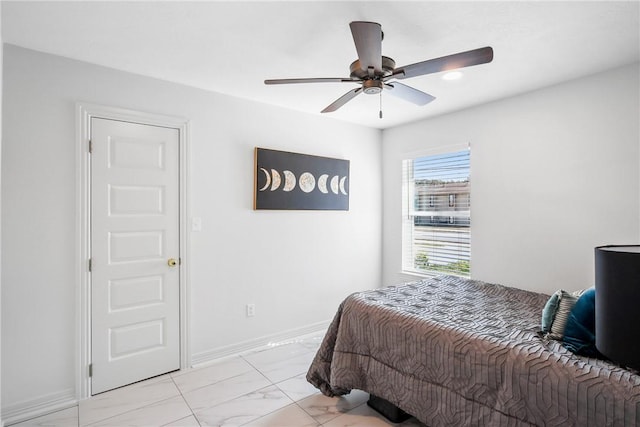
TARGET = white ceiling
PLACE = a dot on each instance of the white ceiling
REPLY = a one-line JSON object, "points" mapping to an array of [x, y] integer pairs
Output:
{"points": [[231, 47]]}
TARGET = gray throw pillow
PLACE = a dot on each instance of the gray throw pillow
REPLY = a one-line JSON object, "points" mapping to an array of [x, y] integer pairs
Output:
{"points": [[556, 312]]}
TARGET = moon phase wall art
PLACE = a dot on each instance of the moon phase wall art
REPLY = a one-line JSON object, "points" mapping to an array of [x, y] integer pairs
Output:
{"points": [[293, 181]]}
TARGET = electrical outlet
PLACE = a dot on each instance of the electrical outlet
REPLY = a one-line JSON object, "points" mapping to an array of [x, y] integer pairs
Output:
{"points": [[251, 310]]}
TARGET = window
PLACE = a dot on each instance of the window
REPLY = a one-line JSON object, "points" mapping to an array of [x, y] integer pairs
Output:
{"points": [[437, 214]]}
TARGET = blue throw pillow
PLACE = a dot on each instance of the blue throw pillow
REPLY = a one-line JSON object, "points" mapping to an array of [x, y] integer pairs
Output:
{"points": [[580, 331]]}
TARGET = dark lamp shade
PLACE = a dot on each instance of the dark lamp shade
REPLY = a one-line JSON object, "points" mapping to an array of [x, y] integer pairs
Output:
{"points": [[618, 303]]}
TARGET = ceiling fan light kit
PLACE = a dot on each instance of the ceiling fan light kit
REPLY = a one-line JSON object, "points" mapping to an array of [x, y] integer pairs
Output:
{"points": [[372, 87], [375, 73]]}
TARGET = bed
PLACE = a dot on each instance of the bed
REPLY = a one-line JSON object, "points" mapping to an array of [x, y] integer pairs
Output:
{"points": [[458, 352]]}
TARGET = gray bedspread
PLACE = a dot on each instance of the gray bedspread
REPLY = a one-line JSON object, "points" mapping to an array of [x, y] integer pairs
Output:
{"points": [[457, 352]]}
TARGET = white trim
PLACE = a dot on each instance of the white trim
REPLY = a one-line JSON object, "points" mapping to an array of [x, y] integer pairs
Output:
{"points": [[84, 113], [430, 274], [185, 244], [204, 357], [39, 406]]}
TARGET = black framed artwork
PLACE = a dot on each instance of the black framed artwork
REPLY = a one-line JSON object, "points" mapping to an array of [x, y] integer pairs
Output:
{"points": [[294, 181]]}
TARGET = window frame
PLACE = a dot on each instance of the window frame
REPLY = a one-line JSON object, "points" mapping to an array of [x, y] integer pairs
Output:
{"points": [[460, 264]]}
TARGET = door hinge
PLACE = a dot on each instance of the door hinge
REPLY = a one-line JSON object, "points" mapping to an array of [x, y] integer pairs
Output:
{"points": [[90, 147], [90, 370], [89, 265]]}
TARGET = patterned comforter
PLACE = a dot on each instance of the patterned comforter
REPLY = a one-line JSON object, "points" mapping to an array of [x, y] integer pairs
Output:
{"points": [[457, 352]]}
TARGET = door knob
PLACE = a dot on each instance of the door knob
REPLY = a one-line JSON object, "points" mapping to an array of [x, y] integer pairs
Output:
{"points": [[172, 262]]}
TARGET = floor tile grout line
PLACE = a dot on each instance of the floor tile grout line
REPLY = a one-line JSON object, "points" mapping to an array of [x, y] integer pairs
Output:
{"points": [[274, 384], [306, 412], [295, 402], [303, 353], [269, 379], [272, 412], [123, 413], [271, 384], [213, 383], [258, 370], [186, 402], [252, 368], [149, 382], [263, 415], [269, 413]]}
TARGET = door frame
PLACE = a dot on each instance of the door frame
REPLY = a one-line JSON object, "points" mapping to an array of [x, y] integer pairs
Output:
{"points": [[84, 113]]}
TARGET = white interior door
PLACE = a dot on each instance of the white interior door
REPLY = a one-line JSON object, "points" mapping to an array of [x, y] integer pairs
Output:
{"points": [[134, 252]]}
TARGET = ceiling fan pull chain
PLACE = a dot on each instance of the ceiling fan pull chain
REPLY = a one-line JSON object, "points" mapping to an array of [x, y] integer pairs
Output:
{"points": [[380, 104]]}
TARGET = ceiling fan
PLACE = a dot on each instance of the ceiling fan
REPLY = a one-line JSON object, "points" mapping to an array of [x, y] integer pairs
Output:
{"points": [[374, 72]]}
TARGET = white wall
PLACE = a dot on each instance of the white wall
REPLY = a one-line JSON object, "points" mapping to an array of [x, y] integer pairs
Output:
{"points": [[295, 266], [554, 173], [1, 100]]}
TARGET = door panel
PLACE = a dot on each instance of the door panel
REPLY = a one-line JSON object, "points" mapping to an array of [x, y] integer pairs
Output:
{"points": [[131, 200], [131, 246], [125, 294], [134, 229], [129, 340]]}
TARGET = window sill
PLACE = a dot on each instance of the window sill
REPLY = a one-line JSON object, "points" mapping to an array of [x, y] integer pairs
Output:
{"points": [[431, 274]]}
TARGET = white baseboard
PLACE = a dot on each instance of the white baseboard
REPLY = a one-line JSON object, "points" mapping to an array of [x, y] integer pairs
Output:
{"points": [[256, 343], [38, 407]]}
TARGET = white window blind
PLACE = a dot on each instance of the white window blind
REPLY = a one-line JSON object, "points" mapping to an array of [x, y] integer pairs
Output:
{"points": [[437, 214]]}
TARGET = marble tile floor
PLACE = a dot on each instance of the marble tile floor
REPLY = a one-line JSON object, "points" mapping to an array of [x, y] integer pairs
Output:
{"points": [[265, 388]]}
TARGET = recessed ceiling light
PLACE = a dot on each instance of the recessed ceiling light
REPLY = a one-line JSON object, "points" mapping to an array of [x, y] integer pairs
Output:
{"points": [[452, 75]]}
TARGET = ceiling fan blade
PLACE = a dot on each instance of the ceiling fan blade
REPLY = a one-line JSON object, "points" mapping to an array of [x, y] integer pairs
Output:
{"points": [[445, 63], [342, 100], [311, 80], [408, 93], [367, 37]]}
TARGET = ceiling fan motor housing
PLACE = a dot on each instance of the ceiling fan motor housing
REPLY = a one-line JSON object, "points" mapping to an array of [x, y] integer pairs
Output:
{"points": [[388, 65], [372, 81]]}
